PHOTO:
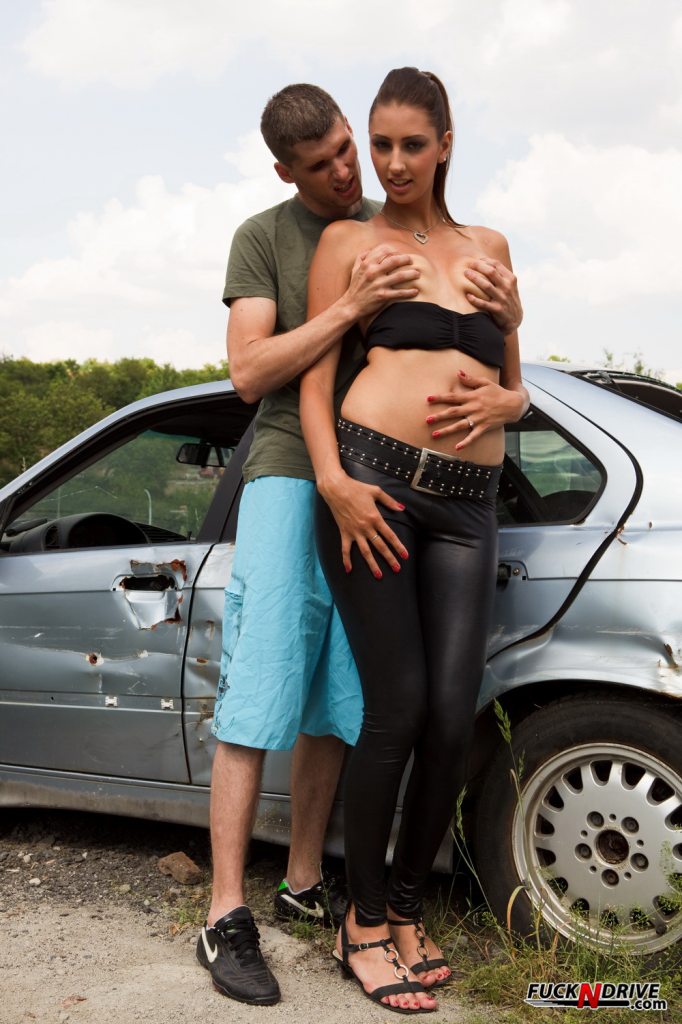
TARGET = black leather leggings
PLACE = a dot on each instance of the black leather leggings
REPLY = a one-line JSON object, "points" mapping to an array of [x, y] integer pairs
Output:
{"points": [[419, 641]]}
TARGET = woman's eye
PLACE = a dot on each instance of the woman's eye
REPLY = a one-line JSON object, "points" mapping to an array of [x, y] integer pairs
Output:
{"points": [[413, 147]]}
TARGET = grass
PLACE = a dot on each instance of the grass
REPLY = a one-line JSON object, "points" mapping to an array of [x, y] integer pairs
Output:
{"points": [[495, 967]]}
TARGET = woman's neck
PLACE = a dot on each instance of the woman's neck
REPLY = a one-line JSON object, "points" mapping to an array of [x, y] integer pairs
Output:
{"points": [[422, 215], [419, 217]]}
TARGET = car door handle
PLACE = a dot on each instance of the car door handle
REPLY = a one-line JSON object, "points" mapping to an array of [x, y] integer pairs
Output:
{"points": [[156, 583]]}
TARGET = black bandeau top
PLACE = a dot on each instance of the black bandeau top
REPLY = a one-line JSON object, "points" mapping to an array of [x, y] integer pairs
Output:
{"points": [[417, 324]]}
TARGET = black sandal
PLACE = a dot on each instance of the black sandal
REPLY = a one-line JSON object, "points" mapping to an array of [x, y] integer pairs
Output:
{"points": [[424, 964], [377, 994]]}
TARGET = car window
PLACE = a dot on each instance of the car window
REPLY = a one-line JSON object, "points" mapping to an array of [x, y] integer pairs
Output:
{"points": [[154, 486], [649, 391], [547, 477]]}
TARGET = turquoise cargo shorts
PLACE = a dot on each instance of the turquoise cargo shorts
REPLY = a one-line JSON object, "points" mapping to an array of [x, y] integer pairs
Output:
{"points": [[286, 665]]}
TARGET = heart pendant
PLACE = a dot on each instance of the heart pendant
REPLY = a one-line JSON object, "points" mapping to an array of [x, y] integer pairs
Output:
{"points": [[421, 237]]}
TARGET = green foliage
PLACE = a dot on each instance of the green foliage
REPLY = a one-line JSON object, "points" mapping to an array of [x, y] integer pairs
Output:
{"points": [[634, 364], [42, 405]]}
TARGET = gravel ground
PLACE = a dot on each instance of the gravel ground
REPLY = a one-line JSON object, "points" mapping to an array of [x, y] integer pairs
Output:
{"points": [[91, 931]]}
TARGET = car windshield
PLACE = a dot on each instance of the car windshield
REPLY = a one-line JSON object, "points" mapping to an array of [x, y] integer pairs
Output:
{"points": [[649, 391]]}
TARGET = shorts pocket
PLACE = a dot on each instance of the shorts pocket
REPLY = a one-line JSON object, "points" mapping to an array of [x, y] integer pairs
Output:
{"points": [[232, 621]]}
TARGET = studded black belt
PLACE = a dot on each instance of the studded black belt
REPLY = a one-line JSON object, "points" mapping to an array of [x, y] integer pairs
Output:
{"points": [[422, 468]]}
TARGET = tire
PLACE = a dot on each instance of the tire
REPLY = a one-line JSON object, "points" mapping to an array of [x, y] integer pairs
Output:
{"points": [[595, 839]]}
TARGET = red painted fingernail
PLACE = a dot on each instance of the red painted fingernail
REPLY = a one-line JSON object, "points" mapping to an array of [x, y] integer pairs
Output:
{"points": [[401, 507], [396, 567], [436, 433], [430, 419], [378, 574], [430, 398], [347, 568], [404, 554], [458, 446], [462, 373]]}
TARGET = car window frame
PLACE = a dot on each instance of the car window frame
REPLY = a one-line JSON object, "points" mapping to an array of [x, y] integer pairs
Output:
{"points": [[580, 447], [113, 437]]}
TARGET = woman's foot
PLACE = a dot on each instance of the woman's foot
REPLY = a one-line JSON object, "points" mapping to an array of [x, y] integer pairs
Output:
{"points": [[373, 970], [415, 948]]}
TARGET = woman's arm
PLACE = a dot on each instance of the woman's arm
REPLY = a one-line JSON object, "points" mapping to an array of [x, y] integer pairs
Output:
{"points": [[353, 504]]}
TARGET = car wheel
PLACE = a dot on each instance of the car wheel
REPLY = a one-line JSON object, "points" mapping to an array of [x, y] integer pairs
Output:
{"points": [[594, 833]]}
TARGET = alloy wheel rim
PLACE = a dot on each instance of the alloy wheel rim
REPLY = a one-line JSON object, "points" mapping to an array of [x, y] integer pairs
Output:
{"points": [[598, 842]]}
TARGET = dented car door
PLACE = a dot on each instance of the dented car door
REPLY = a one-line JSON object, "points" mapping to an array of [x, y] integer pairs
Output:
{"points": [[92, 649]]}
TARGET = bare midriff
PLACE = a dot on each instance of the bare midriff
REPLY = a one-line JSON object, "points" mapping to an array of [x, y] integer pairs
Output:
{"points": [[390, 393]]}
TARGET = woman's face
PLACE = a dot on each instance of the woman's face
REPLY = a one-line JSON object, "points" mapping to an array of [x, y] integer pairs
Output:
{"points": [[405, 150]]}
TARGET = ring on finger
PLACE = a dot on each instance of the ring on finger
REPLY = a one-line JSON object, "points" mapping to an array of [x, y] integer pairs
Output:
{"points": [[471, 424], [373, 538]]}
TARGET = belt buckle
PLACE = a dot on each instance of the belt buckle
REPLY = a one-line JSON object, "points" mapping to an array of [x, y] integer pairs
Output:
{"points": [[421, 469]]}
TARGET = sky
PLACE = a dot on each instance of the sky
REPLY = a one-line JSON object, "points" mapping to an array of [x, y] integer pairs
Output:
{"points": [[131, 152]]}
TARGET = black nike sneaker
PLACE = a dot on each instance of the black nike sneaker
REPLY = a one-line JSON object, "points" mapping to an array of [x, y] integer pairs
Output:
{"points": [[323, 903], [230, 950]]}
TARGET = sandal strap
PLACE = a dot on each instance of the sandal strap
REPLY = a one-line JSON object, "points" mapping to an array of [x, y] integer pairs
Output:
{"points": [[396, 990], [429, 965], [414, 922], [356, 947]]}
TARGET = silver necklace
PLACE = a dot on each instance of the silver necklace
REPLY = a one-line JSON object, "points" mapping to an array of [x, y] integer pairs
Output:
{"points": [[421, 236]]}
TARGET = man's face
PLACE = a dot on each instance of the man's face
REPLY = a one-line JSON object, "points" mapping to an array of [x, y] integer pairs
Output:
{"points": [[326, 173]]}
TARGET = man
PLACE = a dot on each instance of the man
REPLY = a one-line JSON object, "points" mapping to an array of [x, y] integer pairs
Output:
{"points": [[287, 675]]}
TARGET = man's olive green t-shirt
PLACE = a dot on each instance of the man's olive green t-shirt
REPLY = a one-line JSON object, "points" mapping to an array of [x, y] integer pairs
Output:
{"points": [[269, 258]]}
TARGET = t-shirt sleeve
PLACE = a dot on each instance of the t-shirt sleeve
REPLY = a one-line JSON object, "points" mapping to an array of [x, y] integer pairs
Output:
{"points": [[251, 270]]}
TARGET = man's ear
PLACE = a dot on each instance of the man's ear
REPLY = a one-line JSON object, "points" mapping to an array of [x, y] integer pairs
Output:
{"points": [[284, 173]]}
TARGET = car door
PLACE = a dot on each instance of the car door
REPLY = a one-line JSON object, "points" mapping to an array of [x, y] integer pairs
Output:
{"points": [[96, 584], [565, 487]]}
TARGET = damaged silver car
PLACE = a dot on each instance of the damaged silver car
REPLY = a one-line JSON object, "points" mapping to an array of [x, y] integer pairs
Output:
{"points": [[114, 552]]}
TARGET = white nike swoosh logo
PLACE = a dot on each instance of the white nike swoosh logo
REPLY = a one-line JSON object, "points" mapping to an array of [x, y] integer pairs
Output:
{"points": [[316, 911], [210, 953]]}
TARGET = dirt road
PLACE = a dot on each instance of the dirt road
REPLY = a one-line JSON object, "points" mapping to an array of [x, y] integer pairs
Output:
{"points": [[89, 933]]}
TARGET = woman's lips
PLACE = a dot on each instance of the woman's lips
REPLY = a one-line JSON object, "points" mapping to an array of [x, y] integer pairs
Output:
{"points": [[399, 186]]}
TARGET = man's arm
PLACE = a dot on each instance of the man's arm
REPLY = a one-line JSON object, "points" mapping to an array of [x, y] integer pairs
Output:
{"points": [[261, 361]]}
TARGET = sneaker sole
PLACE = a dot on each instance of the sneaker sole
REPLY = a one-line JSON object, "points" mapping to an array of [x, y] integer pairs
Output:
{"points": [[269, 1001], [224, 991]]}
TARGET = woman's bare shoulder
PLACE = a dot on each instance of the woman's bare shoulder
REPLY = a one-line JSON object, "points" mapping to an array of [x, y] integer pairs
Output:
{"points": [[493, 242], [348, 231]]}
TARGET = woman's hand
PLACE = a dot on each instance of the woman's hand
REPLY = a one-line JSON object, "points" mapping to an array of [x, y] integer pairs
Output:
{"points": [[354, 507], [474, 407]]}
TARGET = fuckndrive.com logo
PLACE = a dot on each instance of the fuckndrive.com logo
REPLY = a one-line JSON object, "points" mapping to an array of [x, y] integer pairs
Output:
{"points": [[596, 995]]}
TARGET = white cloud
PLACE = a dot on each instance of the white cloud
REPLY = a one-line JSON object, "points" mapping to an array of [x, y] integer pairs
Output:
{"points": [[141, 278], [608, 70], [605, 222], [62, 339]]}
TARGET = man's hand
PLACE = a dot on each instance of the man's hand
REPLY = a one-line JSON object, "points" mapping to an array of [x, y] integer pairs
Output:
{"points": [[380, 275], [498, 284], [473, 407], [354, 507]]}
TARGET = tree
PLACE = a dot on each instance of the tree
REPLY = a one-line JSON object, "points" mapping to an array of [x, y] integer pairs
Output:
{"points": [[42, 405]]}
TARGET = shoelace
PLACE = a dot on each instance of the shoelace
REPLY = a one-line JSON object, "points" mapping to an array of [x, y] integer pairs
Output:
{"points": [[243, 938]]}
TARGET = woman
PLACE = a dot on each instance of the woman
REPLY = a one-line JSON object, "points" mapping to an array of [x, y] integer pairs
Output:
{"points": [[400, 490]]}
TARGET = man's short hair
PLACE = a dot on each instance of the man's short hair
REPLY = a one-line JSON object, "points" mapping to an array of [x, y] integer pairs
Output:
{"points": [[298, 113]]}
